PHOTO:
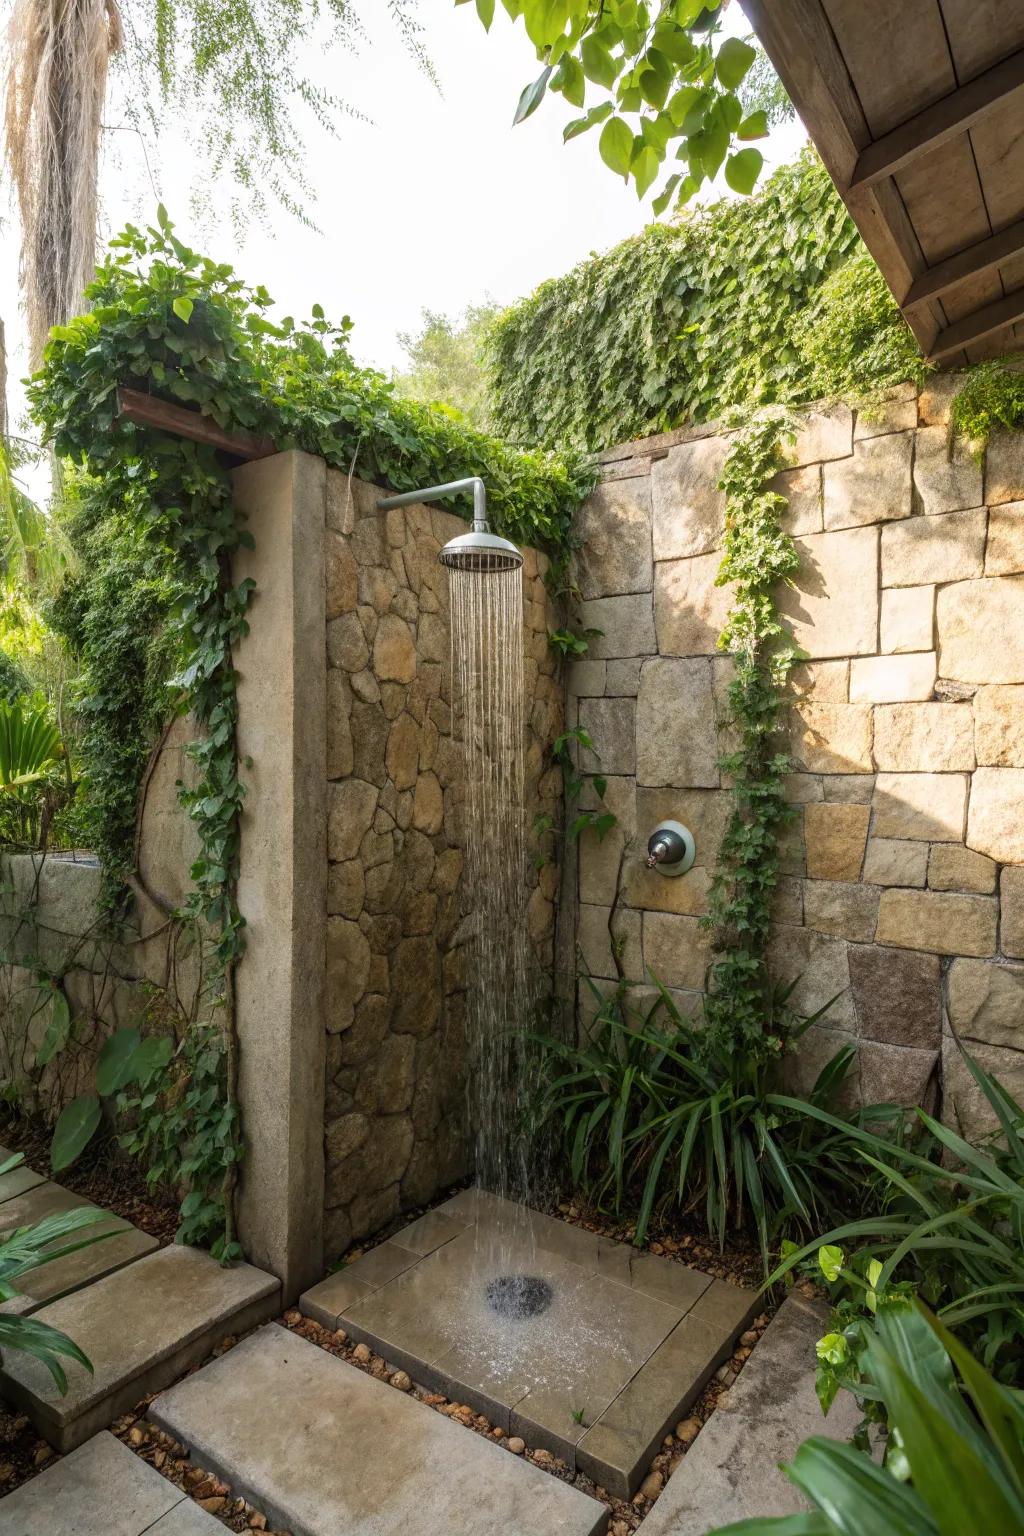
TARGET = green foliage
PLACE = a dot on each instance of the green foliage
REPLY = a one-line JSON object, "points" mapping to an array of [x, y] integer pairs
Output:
{"points": [[954, 1463], [681, 322], [30, 746], [951, 1224], [22, 1250], [652, 1114], [666, 80], [852, 337], [446, 364], [990, 396], [759, 558]]}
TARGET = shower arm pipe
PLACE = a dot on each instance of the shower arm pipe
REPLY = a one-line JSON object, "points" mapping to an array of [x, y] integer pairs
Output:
{"points": [[440, 492]]}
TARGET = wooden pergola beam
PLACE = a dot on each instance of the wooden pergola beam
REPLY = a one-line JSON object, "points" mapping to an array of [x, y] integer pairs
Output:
{"points": [[177, 420], [974, 261], [943, 120], [976, 326]]}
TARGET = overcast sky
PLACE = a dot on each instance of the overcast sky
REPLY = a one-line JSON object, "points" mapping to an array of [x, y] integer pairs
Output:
{"points": [[436, 202]]}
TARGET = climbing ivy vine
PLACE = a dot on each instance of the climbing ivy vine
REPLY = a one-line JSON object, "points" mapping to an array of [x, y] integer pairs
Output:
{"points": [[759, 559], [153, 614]]}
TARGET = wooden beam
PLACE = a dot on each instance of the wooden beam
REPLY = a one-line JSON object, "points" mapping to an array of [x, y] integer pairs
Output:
{"points": [[974, 327], [177, 420], [943, 120], [974, 261]]}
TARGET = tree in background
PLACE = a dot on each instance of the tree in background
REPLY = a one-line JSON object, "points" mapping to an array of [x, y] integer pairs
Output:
{"points": [[446, 364]]}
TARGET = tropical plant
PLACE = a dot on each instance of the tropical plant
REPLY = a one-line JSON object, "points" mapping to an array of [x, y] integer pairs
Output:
{"points": [[30, 745], [955, 1459], [27, 1248], [668, 83], [653, 1112], [950, 1222]]}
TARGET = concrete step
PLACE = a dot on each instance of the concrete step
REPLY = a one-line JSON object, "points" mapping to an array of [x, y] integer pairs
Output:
{"points": [[103, 1490], [323, 1449], [141, 1328], [731, 1472], [31, 1203]]}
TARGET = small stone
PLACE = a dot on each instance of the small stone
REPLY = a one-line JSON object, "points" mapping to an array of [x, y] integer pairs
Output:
{"points": [[6, 1473], [394, 650], [42, 1455], [136, 1437], [214, 1505], [619, 1528], [257, 1522], [401, 1381], [340, 1336], [363, 1354], [515, 1445], [687, 1431], [750, 1338], [543, 1458], [652, 1485]]}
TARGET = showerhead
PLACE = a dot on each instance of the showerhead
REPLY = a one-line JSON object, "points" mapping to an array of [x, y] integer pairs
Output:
{"points": [[480, 551]]}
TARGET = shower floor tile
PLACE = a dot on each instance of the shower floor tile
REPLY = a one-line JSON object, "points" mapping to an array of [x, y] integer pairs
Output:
{"points": [[622, 1347]]}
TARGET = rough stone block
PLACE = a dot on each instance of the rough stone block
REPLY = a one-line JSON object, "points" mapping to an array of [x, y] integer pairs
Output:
{"points": [[676, 740], [819, 966], [894, 1074], [594, 938], [348, 971], [622, 679], [952, 868], [705, 811], [921, 550], [995, 820], [938, 920], [802, 490], [350, 808], [689, 509], [832, 738], [585, 678], [1004, 552], [102, 1489], [926, 806], [833, 608], [626, 625], [600, 858], [986, 1002], [873, 485], [947, 477], [822, 434], [924, 738], [896, 413], [849, 788], [824, 682], [1011, 904], [676, 949], [690, 612], [614, 530], [963, 1103], [1004, 467], [845, 910], [892, 679], [649, 891], [889, 861], [835, 837], [935, 398], [897, 994], [981, 630], [611, 725], [803, 788], [908, 619]]}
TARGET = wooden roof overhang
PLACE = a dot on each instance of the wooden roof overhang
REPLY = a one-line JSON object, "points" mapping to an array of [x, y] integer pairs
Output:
{"points": [[917, 110]]}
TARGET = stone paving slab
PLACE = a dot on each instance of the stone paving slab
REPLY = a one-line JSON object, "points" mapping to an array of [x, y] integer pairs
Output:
{"points": [[731, 1471], [141, 1328], [596, 1379], [102, 1490], [61, 1276], [324, 1449]]}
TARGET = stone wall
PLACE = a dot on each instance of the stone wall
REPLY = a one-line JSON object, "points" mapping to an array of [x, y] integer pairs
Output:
{"points": [[903, 886], [395, 1127]]}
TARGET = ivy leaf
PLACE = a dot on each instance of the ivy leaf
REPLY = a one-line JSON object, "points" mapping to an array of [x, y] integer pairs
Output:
{"points": [[742, 170], [733, 61], [617, 146], [581, 124], [532, 96], [645, 169], [182, 308]]}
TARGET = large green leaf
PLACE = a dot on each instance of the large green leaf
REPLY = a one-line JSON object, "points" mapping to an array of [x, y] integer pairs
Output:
{"points": [[47, 1344], [858, 1498], [58, 1029], [617, 145], [75, 1128], [114, 1067]]}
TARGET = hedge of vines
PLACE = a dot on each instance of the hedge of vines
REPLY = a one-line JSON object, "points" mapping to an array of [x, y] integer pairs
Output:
{"points": [[746, 302], [151, 610]]}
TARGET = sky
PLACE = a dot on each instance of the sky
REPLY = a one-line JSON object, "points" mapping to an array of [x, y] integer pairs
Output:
{"points": [[435, 202]]}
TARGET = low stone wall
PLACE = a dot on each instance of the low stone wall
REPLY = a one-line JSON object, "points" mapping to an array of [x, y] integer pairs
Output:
{"points": [[903, 887], [395, 1114]]}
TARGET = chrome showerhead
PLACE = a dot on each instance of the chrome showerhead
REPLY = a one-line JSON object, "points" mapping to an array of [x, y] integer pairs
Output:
{"points": [[480, 550]]}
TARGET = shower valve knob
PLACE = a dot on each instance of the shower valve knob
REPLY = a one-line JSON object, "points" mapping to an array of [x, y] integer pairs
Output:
{"points": [[671, 849]]}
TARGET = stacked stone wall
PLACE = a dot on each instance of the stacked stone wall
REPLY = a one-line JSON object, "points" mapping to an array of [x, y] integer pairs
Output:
{"points": [[395, 1115], [902, 892]]}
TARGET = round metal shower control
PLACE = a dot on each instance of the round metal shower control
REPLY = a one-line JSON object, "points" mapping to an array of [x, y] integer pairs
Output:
{"points": [[671, 849]]}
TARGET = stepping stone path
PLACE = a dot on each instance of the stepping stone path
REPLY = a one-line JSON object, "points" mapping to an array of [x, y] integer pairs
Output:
{"points": [[731, 1472], [103, 1490], [323, 1449], [141, 1327]]}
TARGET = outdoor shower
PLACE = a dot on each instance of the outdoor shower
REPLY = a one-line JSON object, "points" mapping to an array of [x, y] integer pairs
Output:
{"points": [[480, 550]]}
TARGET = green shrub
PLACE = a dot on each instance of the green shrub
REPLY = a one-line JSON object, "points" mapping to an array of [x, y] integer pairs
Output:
{"points": [[852, 337], [990, 395]]}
